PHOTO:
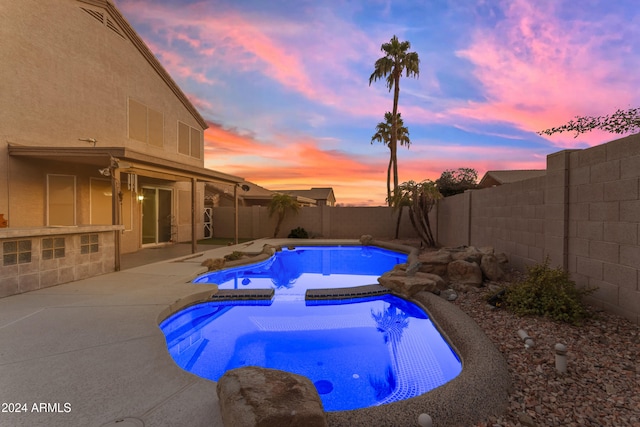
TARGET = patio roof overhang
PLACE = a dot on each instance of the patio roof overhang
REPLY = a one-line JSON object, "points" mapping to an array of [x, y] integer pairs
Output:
{"points": [[121, 159], [124, 159]]}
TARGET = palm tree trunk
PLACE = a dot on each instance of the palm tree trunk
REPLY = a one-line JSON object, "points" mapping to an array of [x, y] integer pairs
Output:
{"points": [[398, 222], [389, 200], [394, 159], [394, 129], [280, 219]]}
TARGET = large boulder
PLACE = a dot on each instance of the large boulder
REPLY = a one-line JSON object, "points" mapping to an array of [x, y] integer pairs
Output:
{"points": [[466, 253], [407, 286], [464, 273], [435, 262], [491, 267], [258, 397]]}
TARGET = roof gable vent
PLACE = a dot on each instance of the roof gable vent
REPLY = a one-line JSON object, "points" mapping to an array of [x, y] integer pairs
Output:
{"points": [[105, 20]]}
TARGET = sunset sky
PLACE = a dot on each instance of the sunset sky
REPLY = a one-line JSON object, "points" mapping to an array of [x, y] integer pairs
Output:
{"points": [[284, 85]]}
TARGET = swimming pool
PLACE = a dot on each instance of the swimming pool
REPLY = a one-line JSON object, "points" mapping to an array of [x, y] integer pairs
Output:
{"points": [[294, 270], [358, 352]]}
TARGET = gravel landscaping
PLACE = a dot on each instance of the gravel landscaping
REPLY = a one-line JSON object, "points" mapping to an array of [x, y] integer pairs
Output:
{"points": [[601, 386]]}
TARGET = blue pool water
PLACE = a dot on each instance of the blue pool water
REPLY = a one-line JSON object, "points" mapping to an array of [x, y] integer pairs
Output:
{"points": [[292, 271], [358, 353]]}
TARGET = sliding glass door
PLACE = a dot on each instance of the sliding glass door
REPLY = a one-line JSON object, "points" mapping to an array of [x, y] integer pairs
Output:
{"points": [[157, 215]]}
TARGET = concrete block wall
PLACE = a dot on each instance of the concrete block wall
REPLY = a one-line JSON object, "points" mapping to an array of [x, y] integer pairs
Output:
{"points": [[511, 219], [41, 273], [603, 224], [323, 221], [453, 220], [584, 215]]}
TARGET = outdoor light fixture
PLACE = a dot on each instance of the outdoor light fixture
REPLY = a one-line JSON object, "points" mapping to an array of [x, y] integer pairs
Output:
{"points": [[122, 164], [140, 197]]}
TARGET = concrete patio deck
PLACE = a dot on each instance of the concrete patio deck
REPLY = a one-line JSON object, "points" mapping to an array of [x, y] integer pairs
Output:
{"points": [[92, 353]]}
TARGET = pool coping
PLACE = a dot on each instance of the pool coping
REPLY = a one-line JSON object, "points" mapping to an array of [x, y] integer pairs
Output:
{"points": [[479, 391]]}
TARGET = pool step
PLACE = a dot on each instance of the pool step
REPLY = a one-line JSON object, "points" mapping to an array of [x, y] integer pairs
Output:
{"points": [[242, 294], [346, 293]]}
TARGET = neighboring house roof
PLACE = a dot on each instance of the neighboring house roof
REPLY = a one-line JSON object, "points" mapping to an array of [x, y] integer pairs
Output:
{"points": [[130, 33], [315, 193], [255, 192], [493, 178]]}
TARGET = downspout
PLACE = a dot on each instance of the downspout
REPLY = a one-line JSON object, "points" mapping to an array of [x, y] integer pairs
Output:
{"points": [[116, 198]]}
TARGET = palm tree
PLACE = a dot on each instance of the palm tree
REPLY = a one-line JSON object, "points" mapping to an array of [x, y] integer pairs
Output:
{"points": [[383, 134], [396, 60], [280, 204]]}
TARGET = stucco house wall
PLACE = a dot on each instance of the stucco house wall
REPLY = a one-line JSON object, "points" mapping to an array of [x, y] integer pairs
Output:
{"points": [[84, 98]]}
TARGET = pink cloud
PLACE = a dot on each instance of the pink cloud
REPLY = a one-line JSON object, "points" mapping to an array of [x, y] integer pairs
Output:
{"points": [[302, 163], [176, 64], [538, 71], [300, 56]]}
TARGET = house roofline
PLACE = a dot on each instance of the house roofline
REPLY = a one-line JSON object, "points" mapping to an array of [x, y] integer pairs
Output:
{"points": [[148, 55]]}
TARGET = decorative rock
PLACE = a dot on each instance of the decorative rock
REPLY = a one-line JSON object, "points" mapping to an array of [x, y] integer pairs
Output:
{"points": [[526, 420], [413, 268], [254, 396], [440, 282], [268, 249], [487, 250], [466, 253], [408, 286], [435, 262], [490, 267], [502, 258], [366, 239], [449, 294], [464, 273], [424, 420], [213, 263]]}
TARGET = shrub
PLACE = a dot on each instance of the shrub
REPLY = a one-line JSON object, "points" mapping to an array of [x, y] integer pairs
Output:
{"points": [[548, 292], [298, 233]]}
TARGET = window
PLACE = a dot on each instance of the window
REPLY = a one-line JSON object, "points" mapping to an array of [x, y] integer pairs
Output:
{"points": [[195, 143], [53, 247], [156, 127], [61, 196], [100, 201], [183, 139], [16, 252], [88, 243], [189, 141], [145, 124]]}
